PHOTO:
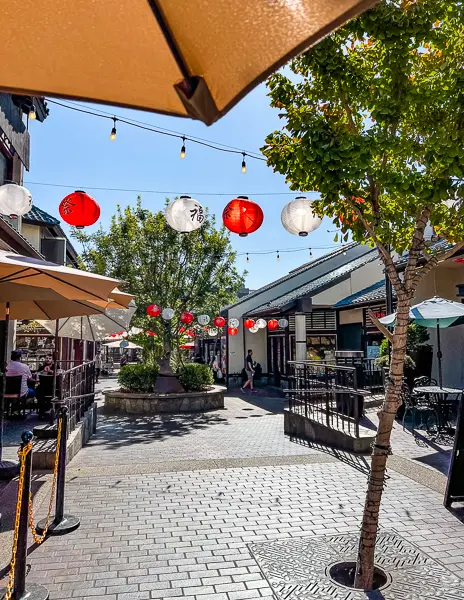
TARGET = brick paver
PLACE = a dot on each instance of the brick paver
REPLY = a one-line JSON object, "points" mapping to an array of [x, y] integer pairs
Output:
{"points": [[185, 533]]}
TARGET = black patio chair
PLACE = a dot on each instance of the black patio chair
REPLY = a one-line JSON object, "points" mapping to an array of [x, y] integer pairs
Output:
{"points": [[44, 392], [418, 404], [14, 402]]}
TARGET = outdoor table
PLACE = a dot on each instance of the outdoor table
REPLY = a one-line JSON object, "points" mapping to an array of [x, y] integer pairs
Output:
{"points": [[442, 403]]}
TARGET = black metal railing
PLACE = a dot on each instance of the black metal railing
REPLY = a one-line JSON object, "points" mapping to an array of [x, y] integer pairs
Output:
{"points": [[327, 394], [77, 390], [369, 375]]}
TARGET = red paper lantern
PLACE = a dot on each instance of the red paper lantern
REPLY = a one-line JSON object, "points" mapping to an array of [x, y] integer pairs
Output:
{"points": [[232, 330], [79, 209], [151, 333], [248, 323], [219, 321], [153, 310], [242, 216], [273, 324], [186, 318]]}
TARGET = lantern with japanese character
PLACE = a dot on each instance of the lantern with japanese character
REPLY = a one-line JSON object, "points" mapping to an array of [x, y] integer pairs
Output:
{"points": [[219, 321], [232, 330], [298, 217], [153, 310], [242, 216], [248, 323], [283, 323], [185, 214], [273, 324], [186, 318], [233, 322], [261, 324], [79, 209], [212, 332], [203, 319], [15, 200]]}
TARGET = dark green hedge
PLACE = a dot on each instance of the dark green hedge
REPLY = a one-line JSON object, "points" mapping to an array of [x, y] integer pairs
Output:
{"points": [[139, 378], [195, 377]]}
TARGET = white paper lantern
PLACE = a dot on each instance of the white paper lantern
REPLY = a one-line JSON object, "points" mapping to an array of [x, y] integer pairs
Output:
{"points": [[254, 329], [261, 324], [212, 331], [283, 323], [15, 200], [203, 319], [298, 217], [234, 322], [185, 214], [167, 314]]}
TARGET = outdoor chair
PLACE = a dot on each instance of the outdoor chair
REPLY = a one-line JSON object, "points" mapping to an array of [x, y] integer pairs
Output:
{"points": [[14, 402], [417, 404], [45, 392]]}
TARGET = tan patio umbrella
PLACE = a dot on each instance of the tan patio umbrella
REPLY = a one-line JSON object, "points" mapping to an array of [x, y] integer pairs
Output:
{"points": [[193, 58]]}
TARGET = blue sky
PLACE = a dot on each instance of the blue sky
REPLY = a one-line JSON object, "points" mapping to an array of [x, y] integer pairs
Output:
{"points": [[74, 149]]}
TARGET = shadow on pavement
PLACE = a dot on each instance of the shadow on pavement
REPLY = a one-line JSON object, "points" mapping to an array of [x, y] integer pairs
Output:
{"points": [[116, 431]]}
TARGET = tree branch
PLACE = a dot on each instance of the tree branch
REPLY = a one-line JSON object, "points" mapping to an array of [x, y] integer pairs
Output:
{"points": [[386, 332], [434, 261]]}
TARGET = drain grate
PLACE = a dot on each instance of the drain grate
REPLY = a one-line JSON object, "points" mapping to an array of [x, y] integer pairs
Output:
{"points": [[297, 569]]}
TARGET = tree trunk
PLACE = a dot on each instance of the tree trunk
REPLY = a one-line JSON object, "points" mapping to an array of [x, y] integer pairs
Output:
{"points": [[370, 522]]}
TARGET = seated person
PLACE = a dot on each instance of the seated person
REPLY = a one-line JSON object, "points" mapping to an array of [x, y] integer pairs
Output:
{"points": [[47, 366], [14, 368]]}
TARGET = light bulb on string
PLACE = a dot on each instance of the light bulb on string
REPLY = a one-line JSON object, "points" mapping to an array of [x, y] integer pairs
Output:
{"points": [[278, 255], [182, 150], [310, 253], [243, 163], [32, 114], [247, 258], [344, 251], [113, 131]]}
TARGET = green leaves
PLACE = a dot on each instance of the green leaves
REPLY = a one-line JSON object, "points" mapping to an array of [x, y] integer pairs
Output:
{"points": [[377, 110]]}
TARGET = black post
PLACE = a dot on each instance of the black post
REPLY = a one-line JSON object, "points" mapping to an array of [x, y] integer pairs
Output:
{"points": [[61, 523], [439, 356], [19, 592], [8, 468]]}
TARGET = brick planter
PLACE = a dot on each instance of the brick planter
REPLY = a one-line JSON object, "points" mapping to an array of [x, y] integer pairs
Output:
{"points": [[152, 404]]}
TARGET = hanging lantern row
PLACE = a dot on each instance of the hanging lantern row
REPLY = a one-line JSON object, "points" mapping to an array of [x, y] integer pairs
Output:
{"points": [[243, 216]]}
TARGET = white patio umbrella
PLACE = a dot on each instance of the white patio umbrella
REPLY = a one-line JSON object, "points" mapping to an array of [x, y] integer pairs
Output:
{"points": [[435, 312], [123, 344], [93, 328]]}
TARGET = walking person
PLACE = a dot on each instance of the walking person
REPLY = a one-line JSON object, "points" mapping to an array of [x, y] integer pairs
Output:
{"points": [[249, 370]]}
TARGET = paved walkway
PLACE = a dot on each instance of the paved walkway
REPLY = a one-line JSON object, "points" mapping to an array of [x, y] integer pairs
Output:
{"points": [[170, 505]]}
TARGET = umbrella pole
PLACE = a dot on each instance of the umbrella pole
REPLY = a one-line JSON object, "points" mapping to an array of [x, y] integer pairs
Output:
{"points": [[439, 356], [4, 361], [55, 355]]}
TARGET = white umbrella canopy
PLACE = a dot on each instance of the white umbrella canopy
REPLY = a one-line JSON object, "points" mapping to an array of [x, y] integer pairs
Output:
{"points": [[435, 312], [73, 284], [126, 345], [95, 327], [428, 312]]}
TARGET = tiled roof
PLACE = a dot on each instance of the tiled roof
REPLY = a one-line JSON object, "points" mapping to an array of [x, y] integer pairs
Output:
{"points": [[317, 285], [38, 215], [32, 251], [301, 269], [373, 293]]}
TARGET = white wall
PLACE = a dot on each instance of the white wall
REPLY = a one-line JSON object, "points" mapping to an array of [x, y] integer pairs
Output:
{"points": [[32, 234]]}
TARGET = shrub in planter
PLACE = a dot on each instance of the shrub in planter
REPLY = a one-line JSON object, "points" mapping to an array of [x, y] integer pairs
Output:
{"points": [[195, 377], [139, 378]]}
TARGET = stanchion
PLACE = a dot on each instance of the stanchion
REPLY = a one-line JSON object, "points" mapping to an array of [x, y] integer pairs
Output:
{"points": [[16, 589], [61, 523]]}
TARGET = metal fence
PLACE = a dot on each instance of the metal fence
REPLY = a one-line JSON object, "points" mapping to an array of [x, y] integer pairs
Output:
{"points": [[369, 375], [77, 390], [327, 394]]}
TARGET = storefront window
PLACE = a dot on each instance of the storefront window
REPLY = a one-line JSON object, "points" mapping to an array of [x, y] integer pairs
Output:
{"points": [[321, 348]]}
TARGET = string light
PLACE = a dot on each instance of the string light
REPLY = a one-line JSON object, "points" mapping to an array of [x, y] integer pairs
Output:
{"points": [[32, 114], [113, 131], [344, 251], [161, 131], [182, 150], [244, 164], [310, 253], [278, 255], [247, 258]]}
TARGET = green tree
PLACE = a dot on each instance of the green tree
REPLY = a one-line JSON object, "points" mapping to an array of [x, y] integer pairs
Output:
{"points": [[374, 121], [192, 272]]}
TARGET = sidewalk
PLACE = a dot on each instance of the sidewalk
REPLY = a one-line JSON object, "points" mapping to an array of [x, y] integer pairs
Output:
{"points": [[169, 506]]}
